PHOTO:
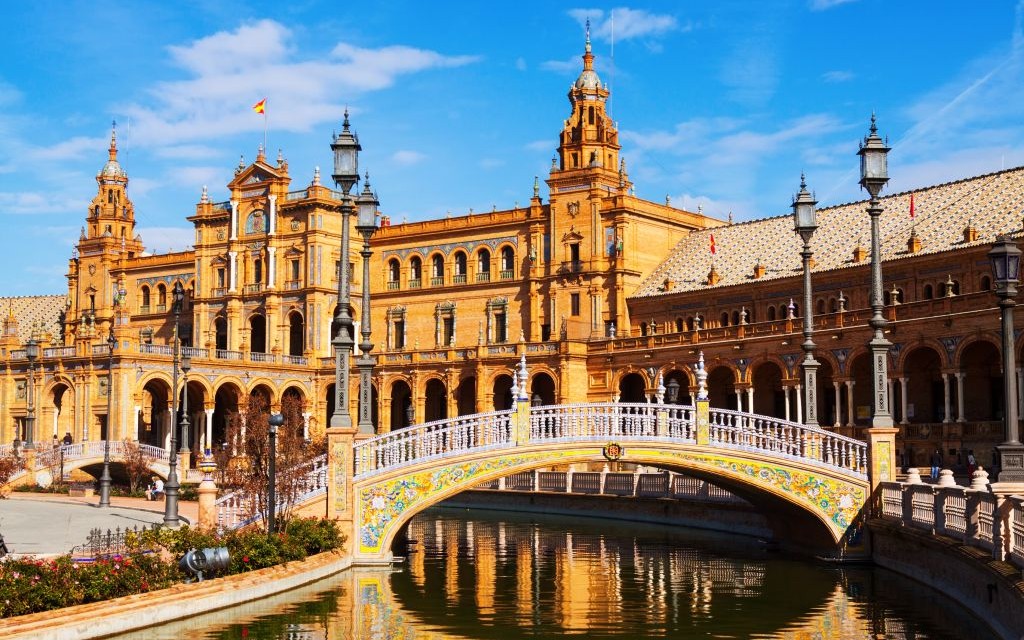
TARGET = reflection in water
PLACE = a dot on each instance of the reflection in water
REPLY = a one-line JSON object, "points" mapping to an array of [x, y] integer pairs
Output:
{"points": [[486, 575]]}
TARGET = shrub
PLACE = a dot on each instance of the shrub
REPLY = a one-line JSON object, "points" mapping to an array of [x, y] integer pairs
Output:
{"points": [[315, 535]]}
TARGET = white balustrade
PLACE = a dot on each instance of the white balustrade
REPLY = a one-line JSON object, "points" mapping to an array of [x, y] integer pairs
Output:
{"points": [[241, 508]]}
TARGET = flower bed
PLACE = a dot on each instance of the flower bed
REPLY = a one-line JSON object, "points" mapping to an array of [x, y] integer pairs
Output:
{"points": [[31, 585]]}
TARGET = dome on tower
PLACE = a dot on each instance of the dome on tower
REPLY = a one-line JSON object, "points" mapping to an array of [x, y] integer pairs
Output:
{"points": [[588, 80], [113, 168]]}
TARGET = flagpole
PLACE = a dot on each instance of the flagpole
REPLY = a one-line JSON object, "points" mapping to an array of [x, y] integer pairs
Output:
{"points": [[265, 149]]}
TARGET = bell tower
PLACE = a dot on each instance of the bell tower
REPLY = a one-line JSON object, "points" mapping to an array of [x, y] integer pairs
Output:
{"points": [[95, 284], [588, 146]]}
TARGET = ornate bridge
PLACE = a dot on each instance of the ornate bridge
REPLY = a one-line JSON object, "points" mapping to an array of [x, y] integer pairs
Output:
{"points": [[816, 481], [47, 462]]}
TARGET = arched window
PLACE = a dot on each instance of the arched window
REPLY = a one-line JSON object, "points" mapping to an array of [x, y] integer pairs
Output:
{"points": [[833, 305], [460, 267], [145, 299], [415, 272], [689, 323], [483, 268], [437, 270], [508, 263], [821, 306], [724, 320], [735, 317], [771, 313], [928, 293], [394, 271], [257, 270], [783, 312], [161, 297], [986, 283], [679, 325], [643, 328]]}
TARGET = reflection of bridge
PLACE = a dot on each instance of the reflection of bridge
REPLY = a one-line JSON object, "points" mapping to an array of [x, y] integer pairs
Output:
{"points": [[43, 464]]}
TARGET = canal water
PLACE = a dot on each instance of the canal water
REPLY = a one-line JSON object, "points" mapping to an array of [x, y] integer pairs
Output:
{"points": [[504, 576]]}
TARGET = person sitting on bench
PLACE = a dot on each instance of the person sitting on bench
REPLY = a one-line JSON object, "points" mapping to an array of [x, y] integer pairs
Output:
{"points": [[155, 490]]}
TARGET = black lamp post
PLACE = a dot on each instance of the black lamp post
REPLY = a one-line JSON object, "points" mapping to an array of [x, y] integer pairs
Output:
{"points": [[366, 224], [32, 353], [346, 173], [672, 391], [276, 420], [1005, 258], [105, 477], [873, 176], [186, 366], [171, 486], [805, 222]]}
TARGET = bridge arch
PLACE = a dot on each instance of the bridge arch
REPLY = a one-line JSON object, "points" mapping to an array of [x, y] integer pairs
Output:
{"points": [[805, 504]]}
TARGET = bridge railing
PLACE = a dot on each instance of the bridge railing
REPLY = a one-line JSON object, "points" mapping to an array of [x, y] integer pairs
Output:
{"points": [[974, 517], [243, 507], [51, 457], [736, 430], [662, 484], [433, 439], [603, 420]]}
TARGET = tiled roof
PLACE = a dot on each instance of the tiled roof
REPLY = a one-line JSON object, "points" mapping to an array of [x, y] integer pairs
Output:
{"points": [[992, 203], [34, 311]]}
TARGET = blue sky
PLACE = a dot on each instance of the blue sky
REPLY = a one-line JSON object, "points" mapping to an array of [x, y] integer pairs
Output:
{"points": [[459, 104]]}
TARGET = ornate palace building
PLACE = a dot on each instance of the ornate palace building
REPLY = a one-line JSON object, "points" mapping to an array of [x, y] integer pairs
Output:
{"points": [[605, 294]]}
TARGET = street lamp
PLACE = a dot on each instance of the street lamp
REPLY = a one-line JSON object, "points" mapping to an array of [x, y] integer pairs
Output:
{"points": [[1005, 258], [105, 476], [366, 224], [672, 391], [346, 173], [873, 176], [32, 353], [276, 420], [171, 486], [805, 222], [186, 366]]}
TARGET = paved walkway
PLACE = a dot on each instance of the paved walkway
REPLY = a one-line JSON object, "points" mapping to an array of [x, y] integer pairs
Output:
{"points": [[48, 524]]}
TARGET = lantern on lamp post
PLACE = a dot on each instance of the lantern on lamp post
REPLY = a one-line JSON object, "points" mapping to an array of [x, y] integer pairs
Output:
{"points": [[805, 222], [1005, 259], [366, 224]]}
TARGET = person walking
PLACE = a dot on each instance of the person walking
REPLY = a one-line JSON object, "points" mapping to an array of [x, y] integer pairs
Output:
{"points": [[972, 463], [67, 437], [936, 464]]}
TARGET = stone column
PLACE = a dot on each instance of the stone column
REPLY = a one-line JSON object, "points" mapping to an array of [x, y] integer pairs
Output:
{"points": [[903, 401], [234, 221], [271, 267], [785, 392], [1020, 390], [945, 397], [960, 397], [799, 404], [892, 394], [739, 400], [850, 411], [232, 269], [209, 427], [272, 218], [838, 422], [207, 491], [750, 399], [305, 424], [881, 455], [168, 426]]}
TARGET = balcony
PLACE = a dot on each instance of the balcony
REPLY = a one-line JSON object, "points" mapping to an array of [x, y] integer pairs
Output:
{"points": [[506, 274], [393, 285], [256, 356], [459, 278], [256, 287], [483, 276], [415, 284], [292, 285], [437, 281], [571, 266], [144, 309], [161, 308], [220, 292]]}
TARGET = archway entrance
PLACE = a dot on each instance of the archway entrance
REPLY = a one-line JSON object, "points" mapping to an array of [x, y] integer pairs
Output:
{"points": [[769, 398], [632, 388], [465, 396], [296, 333], [401, 403], [502, 392], [435, 401], [722, 388], [542, 389], [981, 363], [923, 369], [257, 334]]}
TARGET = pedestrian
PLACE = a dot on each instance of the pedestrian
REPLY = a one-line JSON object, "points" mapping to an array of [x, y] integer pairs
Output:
{"points": [[936, 463], [67, 437], [156, 489], [972, 463]]}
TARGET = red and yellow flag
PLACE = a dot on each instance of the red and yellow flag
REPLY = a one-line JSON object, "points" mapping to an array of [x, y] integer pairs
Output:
{"points": [[260, 107], [911, 206], [712, 244]]}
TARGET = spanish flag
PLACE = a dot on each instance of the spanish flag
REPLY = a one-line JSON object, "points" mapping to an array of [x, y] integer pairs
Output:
{"points": [[712, 244], [260, 107]]}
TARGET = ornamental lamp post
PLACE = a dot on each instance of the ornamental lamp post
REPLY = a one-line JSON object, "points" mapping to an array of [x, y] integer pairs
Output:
{"points": [[346, 173], [32, 353], [672, 391], [275, 420], [171, 486], [105, 477], [186, 366], [366, 224], [1005, 258], [805, 222], [873, 176]]}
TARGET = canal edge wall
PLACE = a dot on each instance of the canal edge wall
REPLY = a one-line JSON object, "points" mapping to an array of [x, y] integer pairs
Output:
{"points": [[993, 590], [728, 518], [135, 612]]}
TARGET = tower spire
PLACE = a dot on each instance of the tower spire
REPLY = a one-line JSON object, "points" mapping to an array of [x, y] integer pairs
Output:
{"points": [[113, 140]]}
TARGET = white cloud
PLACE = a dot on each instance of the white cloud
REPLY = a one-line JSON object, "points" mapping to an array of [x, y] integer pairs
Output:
{"points": [[32, 203], [491, 163], [541, 145], [837, 76], [73, 148], [563, 66], [407, 157], [187, 151], [197, 176], [230, 70], [625, 24], [165, 239], [822, 5], [520, 64]]}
